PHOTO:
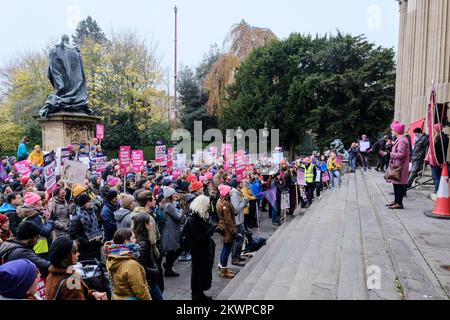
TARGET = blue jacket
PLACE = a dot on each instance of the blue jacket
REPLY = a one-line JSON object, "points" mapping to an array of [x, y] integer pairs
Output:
{"points": [[109, 221], [256, 189], [22, 151], [10, 211]]}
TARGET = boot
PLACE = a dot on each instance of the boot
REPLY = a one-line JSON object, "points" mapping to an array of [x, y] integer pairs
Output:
{"points": [[226, 273]]}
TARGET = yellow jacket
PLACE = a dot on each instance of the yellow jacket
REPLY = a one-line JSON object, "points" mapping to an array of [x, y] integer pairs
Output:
{"points": [[37, 158], [333, 165], [128, 278], [247, 194]]}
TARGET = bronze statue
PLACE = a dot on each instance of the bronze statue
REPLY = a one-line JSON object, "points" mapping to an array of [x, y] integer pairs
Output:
{"points": [[66, 74]]}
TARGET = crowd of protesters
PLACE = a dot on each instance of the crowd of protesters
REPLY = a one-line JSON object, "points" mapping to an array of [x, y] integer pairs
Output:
{"points": [[140, 229]]}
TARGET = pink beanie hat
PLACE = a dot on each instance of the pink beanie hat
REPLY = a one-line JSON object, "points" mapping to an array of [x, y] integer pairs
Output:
{"points": [[31, 198], [399, 128], [394, 123], [209, 176], [70, 147], [113, 181], [176, 175], [224, 190]]}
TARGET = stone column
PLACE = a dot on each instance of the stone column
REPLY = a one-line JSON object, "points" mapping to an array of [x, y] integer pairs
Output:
{"points": [[400, 85]]}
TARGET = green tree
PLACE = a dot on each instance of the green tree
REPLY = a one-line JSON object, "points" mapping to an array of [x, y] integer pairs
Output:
{"points": [[194, 96], [88, 29], [328, 87]]}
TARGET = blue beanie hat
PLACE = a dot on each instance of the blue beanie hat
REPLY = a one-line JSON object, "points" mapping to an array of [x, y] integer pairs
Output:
{"points": [[16, 278]]}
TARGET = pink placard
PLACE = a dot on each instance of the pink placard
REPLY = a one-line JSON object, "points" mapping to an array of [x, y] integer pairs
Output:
{"points": [[23, 168], [125, 160], [137, 158], [170, 157], [100, 132], [239, 163]]}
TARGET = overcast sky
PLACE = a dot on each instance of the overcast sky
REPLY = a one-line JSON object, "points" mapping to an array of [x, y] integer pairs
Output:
{"points": [[31, 25]]}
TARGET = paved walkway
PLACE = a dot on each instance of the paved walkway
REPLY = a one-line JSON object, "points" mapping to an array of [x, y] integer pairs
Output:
{"points": [[348, 240]]}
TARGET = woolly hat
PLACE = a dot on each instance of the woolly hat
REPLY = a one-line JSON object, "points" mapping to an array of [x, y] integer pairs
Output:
{"points": [[159, 179], [77, 190], [196, 185], [82, 199], [394, 123], [59, 250], [27, 230], [234, 183], [183, 186], [112, 193], [31, 198], [224, 190], [16, 278], [126, 200], [24, 180], [166, 181], [176, 175], [399, 128], [70, 147], [209, 176], [113, 181], [191, 178], [168, 192], [3, 218]]}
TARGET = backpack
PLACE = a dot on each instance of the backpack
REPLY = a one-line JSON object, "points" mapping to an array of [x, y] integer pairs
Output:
{"points": [[159, 218]]}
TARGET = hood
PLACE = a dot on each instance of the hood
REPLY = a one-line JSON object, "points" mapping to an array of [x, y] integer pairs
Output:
{"points": [[120, 214], [9, 246], [118, 254], [7, 207], [26, 212]]}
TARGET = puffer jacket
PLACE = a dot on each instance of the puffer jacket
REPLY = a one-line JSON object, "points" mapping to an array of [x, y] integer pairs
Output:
{"points": [[227, 222], [62, 223], [239, 204], [123, 218], [109, 221], [128, 278], [27, 213]]}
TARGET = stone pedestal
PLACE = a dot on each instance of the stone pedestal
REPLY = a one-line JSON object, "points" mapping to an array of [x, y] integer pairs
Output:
{"points": [[62, 129]]}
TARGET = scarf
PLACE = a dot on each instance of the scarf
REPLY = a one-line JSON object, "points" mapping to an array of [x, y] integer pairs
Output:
{"points": [[121, 250], [90, 224]]}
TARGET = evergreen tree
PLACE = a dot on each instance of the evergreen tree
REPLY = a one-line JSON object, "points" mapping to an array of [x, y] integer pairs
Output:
{"points": [[88, 28]]}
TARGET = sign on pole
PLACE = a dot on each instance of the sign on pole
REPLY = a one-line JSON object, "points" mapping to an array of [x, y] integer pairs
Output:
{"points": [[100, 164], [137, 158], [170, 157], [50, 177], [160, 155], [239, 163], [285, 201], [23, 168], [125, 160], [100, 132]]}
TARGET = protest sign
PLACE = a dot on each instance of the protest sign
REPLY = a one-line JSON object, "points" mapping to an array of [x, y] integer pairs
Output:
{"points": [[74, 172], [181, 160], [301, 177], [84, 157], [62, 155], [23, 168], [239, 162], [285, 201], [340, 159], [3, 173], [100, 164], [170, 157], [125, 160], [160, 155], [137, 159], [100, 132], [364, 145], [277, 157], [50, 177], [49, 158]]}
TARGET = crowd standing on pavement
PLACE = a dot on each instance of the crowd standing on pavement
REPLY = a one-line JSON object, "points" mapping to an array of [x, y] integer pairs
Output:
{"points": [[134, 228]]}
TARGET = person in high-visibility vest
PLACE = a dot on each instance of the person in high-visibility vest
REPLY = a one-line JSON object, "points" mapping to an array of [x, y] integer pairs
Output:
{"points": [[310, 178]]}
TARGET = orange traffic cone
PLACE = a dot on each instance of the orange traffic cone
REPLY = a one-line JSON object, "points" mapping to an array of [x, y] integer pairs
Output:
{"points": [[442, 208]]}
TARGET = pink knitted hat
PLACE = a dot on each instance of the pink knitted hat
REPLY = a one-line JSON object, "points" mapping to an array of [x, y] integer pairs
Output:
{"points": [[399, 128], [31, 198], [224, 190]]}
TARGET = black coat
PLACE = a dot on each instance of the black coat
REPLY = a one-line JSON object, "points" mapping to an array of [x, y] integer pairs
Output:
{"points": [[202, 252], [88, 250], [438, 147], [146, 260], [420, 148]]}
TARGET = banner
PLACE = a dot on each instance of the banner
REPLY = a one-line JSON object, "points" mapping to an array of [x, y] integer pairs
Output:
{"points": [[23, 168], [100, 132], [160, 155], [418, 124], [431, 157], [100, 164], [239, 161], [50, 177], [271, 197], [137, 159], [125, 160], [74, 172]]}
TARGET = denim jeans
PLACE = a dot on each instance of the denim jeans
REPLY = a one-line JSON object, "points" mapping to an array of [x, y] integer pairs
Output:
{"points": [[437, 172], [156, 292], [238, 242], [335, 174], [353, 164], [226, 251]]}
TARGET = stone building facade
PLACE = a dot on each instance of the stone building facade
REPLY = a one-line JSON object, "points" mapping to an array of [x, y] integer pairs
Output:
{"points": [[423, 57]]}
